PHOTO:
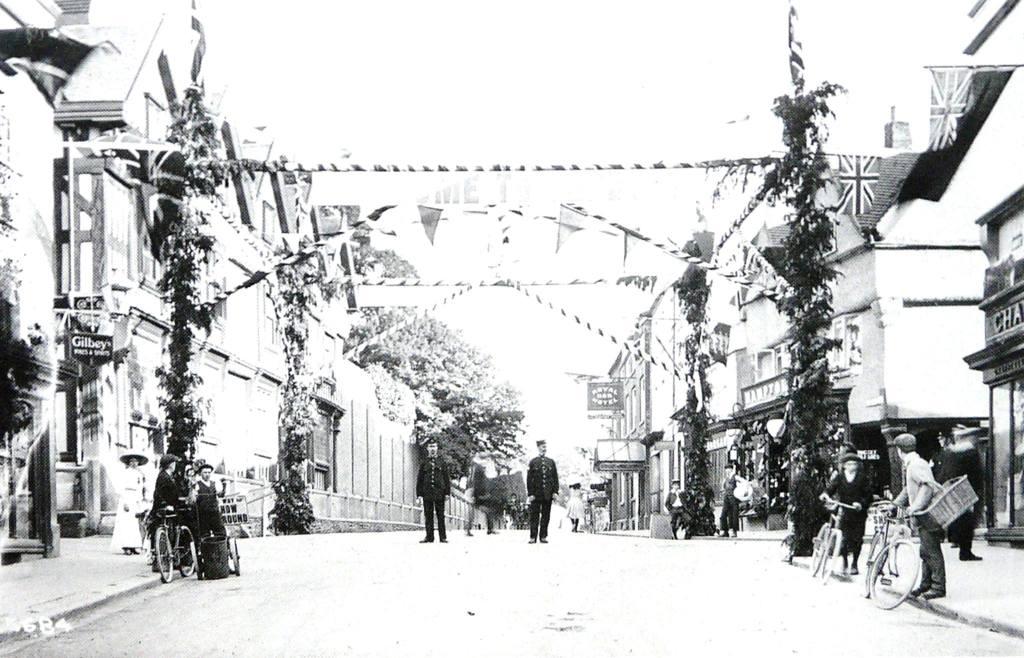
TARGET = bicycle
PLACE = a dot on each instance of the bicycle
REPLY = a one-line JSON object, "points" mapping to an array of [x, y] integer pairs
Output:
{"points": [[894, 570], [887, 528], [174, 545], [828, 542]]}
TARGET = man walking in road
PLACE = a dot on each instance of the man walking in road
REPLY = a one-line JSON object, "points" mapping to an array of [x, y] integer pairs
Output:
{"points": [[730, 517], [962, 458], [432, 486], [541, 487], [919, 489], [676, 506]]}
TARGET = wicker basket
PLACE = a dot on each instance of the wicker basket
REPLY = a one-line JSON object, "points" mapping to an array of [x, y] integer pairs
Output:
{"points": [[957, 496]]}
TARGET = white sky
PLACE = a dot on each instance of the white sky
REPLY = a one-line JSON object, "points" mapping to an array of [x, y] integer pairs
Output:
{"points": [[442, 82]]}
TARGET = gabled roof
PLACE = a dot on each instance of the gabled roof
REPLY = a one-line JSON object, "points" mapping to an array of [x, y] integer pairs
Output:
{"points": [[105, 79]]}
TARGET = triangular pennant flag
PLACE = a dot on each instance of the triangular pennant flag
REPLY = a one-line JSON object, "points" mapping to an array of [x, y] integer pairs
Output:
{"points": [[569, 222], [430, 217]]}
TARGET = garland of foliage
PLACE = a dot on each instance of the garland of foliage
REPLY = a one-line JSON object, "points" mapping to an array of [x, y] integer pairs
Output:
{"points": [[185, 251], [693, 291], [297, 291], [807, 303]]}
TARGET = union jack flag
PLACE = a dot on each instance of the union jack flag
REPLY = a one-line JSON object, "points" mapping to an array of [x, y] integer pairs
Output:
{"points": [[951, 96], [857, 176]]}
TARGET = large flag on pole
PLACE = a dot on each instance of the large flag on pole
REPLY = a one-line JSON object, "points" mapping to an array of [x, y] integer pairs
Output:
{"points": [[951, 90], [934, 169], [796, 51], [47, 56]]}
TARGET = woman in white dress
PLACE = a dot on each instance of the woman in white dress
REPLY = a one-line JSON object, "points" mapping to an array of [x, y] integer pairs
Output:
{"points": [[575, 509], [127, 529]]}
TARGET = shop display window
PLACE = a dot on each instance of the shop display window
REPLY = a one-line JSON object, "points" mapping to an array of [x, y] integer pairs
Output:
{"points": [[1002, 423]]}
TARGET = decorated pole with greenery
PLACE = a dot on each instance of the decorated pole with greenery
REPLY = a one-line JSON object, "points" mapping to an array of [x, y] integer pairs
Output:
{"points": [[693, 291], [797, 182], [185, 250], [298, 291]]}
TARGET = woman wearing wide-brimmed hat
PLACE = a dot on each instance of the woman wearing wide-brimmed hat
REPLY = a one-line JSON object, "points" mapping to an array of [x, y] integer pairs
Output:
{"points": [[128, 533], [851, 487]]}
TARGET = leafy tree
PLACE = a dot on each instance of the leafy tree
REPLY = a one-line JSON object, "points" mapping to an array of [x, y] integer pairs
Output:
{"points": [[457, 401]]}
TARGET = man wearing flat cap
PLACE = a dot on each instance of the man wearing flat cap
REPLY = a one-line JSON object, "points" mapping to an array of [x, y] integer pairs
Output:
{"points": [[433, 485], [541, 487], [962, 458], [918, 491]]}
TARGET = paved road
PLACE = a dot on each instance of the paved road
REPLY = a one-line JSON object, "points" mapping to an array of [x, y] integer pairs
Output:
{"points": [[580, 595]]}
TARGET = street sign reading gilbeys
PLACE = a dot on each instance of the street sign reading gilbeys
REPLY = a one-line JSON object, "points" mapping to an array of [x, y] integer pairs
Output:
{"points": [[90, 349], [604, 396]]}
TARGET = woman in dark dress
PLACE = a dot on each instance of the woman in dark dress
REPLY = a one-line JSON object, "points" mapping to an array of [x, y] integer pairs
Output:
{"points": [[207, 507], [851, 487]]}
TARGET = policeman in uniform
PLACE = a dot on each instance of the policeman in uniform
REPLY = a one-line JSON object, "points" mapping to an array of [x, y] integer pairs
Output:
{"points": [[432, 486], [541, 487]]}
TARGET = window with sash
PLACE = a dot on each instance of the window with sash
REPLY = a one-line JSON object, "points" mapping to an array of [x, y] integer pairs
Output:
{"points": [[847, 355], [322, 452]]}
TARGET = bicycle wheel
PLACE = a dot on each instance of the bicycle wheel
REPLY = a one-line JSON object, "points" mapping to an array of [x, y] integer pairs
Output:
{"points": [[164, 555], [831, 554], [187, 559], [819, 549], [894, 574], [873, 549]]}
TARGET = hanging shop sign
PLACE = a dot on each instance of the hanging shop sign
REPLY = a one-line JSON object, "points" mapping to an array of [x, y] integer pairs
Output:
{"points": [[90, 349], [87, 320], [605, 397]]}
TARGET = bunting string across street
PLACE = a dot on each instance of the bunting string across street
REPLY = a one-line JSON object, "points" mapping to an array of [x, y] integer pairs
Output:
{"points": [[634, 350], [738, 277], [398, 326], [272, 166]]}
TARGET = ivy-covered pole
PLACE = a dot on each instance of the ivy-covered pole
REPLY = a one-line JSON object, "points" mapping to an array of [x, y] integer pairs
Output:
{"points": [[298, 290], [797, 182], [186, 248], [693, 291]]}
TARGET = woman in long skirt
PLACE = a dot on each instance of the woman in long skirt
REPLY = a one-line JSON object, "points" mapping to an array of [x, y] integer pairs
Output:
{"points": [[851, 487], [127, 529]]}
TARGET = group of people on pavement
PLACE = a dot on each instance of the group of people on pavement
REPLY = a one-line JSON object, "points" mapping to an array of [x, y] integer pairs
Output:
{"points": [[196, 502], [433, 487], [923, 481]]}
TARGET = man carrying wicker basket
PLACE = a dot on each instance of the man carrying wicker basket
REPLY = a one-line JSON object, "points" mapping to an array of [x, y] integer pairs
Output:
{"points": [[918, 490]]}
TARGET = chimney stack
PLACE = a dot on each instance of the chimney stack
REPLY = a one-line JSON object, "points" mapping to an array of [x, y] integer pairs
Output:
{"points": [[897, 133]]}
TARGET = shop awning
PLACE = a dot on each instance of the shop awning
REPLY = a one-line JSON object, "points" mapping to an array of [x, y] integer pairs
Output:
{"points": [[619, 455]]}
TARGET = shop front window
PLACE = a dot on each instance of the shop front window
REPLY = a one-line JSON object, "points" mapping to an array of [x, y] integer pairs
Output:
{"points": [[1001, 441]]}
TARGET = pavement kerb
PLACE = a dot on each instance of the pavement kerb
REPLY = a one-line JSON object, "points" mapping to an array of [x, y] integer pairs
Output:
{"points": [[696, 538], [942, 610], [89, 606]]}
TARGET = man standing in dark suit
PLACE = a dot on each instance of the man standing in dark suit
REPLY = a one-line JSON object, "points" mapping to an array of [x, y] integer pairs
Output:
{"points": [[959, 459], [541, 487], [675, 503], [432, 486]]}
